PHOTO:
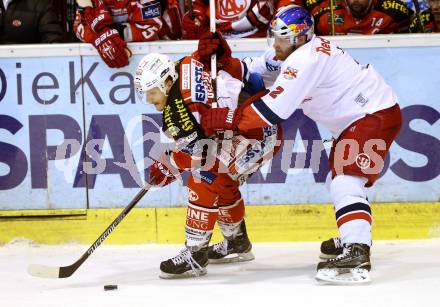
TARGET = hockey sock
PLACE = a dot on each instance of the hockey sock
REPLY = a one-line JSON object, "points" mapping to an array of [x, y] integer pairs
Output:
{"points": [[230, 218], [352, 209], [200, 223]]}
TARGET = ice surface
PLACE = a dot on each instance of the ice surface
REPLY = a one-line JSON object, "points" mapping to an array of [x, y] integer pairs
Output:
{"points": [[405, 273]]}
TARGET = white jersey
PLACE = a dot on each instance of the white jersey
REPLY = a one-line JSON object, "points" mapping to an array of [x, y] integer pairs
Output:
{"points": [[327, 83], [266, 65]]}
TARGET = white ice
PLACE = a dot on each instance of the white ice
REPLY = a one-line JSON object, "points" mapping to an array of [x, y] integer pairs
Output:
{"points": [[405, 273]]}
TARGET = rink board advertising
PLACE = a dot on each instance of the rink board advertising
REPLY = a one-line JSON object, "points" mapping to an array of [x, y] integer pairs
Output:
{"points": [[54, 110]]}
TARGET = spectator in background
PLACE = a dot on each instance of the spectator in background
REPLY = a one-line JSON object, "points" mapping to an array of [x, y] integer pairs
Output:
{"points": [[29, 22], [234, 18], [110, 24], [363, 17], [435, 5], [422, 18]]}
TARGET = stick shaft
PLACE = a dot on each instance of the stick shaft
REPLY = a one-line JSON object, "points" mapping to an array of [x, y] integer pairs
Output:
{"points": [[212, 29], [67, 271]]}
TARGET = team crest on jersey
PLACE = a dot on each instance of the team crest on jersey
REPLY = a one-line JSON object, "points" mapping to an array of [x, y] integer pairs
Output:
{"points": [[151, 11], [337, 19], [232, 9], [290, 73], [363, 161]]}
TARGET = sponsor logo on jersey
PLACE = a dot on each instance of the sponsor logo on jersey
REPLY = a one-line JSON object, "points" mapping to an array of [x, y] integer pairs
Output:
{"points": [[290, 73], [176, 118], [208, 177], [232, 9], [186, 81], [184, 141], [361, 99], [201, 88], [272, 67], [397, 5], [151, 11], [325, 46], [363, 160]]}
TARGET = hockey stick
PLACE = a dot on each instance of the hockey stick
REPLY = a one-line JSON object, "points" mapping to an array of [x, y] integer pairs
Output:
{"points": [[332, 17], [67, 271], [191, 9], [213, 56]]}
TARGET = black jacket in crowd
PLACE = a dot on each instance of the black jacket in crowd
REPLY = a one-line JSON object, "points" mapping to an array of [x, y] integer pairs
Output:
{"points": [[29, 21]]}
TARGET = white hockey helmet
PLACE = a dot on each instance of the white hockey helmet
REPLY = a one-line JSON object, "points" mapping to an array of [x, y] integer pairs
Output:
{"points": [[152, 71]]}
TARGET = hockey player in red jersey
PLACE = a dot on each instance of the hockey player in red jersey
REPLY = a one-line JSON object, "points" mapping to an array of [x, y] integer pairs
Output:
{"points": [[110, 24], [352, 100], [364, 17], [234, 18], [181, 91]]}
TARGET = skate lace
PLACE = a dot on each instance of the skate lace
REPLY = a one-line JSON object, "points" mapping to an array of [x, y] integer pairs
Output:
{"points": [[186, 256], [221, 247], [346, 252], [338, 242]]}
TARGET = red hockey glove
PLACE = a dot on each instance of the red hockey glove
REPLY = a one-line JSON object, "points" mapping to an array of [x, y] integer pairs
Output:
{"points": [[160, 174], [97, 17], [194, 26], [111, 48], [210, 43], [220, 119]]}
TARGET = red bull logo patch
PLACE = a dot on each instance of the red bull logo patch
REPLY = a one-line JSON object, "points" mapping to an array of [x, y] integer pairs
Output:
{"points": [[290, 73]]}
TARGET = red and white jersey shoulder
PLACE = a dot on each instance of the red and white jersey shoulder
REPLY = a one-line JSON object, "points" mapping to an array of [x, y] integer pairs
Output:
{"points": [[327, 84], [196, 86]]}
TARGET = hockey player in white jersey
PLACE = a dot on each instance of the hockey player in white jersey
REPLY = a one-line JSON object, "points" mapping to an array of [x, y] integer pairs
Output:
{"points": [[352, 100]]}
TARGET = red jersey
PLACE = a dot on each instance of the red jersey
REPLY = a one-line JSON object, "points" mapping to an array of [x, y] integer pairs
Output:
{"points": [[137, 21], [386, 16], [243, 18]]}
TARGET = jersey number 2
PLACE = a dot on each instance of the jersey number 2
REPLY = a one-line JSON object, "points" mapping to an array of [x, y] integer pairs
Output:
{"points": [[274, 93]]}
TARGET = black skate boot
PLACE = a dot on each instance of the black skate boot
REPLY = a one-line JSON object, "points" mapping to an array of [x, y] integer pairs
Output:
{"points": [[331, 248], [237, 249], [186, 264], [355, 260]]}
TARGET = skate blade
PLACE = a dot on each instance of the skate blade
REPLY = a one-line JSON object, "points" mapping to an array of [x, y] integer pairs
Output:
{"points": [[187, 274], [333, 277], [235, 257]]}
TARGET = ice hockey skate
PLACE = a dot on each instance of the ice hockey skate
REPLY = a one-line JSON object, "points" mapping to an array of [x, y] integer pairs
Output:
{"points": [[350, 267], [331, 248], [237, 249], [186, 264]]}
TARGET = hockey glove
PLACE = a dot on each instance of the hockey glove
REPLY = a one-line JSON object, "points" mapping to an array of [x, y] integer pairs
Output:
{"points": [[162, 173], [111, 48], [220, 119], [194, 26], [98, 17], [210, 43]]}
